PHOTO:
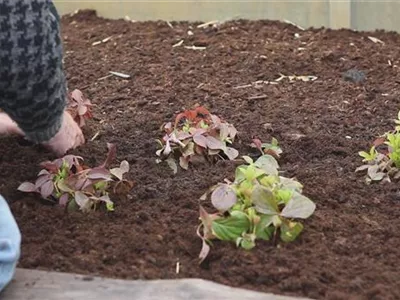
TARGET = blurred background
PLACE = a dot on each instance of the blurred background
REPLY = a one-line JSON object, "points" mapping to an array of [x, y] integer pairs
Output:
{"points": [[354, 14]]}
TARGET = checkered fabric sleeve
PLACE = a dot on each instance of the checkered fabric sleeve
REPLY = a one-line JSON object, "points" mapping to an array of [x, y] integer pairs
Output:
{"points": [[32, 82]]}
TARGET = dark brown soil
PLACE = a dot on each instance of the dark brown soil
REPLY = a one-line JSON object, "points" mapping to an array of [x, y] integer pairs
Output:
{"points": [[349, 249]]}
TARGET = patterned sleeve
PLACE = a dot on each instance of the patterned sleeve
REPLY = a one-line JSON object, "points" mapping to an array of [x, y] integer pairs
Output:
{"points": [[32, 82]]}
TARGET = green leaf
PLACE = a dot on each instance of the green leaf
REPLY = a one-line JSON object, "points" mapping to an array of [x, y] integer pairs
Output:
{"points": [[251, 173], [223, 197], [172, 164], [240, 174], [248, 159], [298, 207], [267, 163], [232, 227], [62, 186], [291, 184], [269, 181], [119, 172], [290, 231], [284, 196], [247, 242], [263, 227], [264, 200], [110, 206], [363, 154], [188, 150]]}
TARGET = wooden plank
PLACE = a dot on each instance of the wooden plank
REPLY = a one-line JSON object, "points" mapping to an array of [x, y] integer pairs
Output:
{"points": [[41, 285], [339, 14]]}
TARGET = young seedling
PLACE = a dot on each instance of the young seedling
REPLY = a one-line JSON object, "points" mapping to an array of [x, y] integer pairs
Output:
{"points": [[267, 148], [74, 185], [196, 135], [259, 204], [79, 107], [383, 164]]}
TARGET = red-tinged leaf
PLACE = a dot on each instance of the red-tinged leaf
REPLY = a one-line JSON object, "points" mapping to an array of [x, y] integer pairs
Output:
{"points": [[223, 197], [202, 110], [178, 118], [197, 131], [379, 141], [43, 172], [64, 199], [168, 127], [99, 173], [205, 248], [82, 109], [214, 143], [42, 180], [182, 135], [82, 200], [216, 120], [200, 140], [77, 95], [72, 160], [122, 188], [47, 189], [112, 152], [257, 144], [27, 187], [50, 166], [199, 150]]}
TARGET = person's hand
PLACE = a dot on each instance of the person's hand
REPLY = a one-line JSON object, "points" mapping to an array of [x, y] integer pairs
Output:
{"points": [[68, 137], [8, 126]]}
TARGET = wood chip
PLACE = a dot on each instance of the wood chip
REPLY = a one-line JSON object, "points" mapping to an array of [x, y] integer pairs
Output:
{"points": [[195, 48], [122, 75], [375, 40], [258, 97], [204, 25], [95, 136], [178, 44]]}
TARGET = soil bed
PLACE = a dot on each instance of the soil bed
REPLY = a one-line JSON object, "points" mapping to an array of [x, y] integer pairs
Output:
{"points": [[349, 248]]}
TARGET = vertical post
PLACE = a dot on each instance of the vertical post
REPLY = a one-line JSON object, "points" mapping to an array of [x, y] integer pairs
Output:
{"points": [[339, 14]]}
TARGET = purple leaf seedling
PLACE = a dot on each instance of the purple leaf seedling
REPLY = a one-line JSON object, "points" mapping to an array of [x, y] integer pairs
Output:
{"points": [[72, 184], [196, 136]]}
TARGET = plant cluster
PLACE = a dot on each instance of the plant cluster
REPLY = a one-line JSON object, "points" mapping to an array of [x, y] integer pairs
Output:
{"points": [[79, 107], [382, 161], [74, 185], [258, 204], [196, 135]]}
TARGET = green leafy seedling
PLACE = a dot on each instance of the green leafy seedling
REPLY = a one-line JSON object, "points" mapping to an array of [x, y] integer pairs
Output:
{"points": [[259, 205]]}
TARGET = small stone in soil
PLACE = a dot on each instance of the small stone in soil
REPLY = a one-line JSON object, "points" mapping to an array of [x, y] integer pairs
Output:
{"points": [[354, 75]]}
